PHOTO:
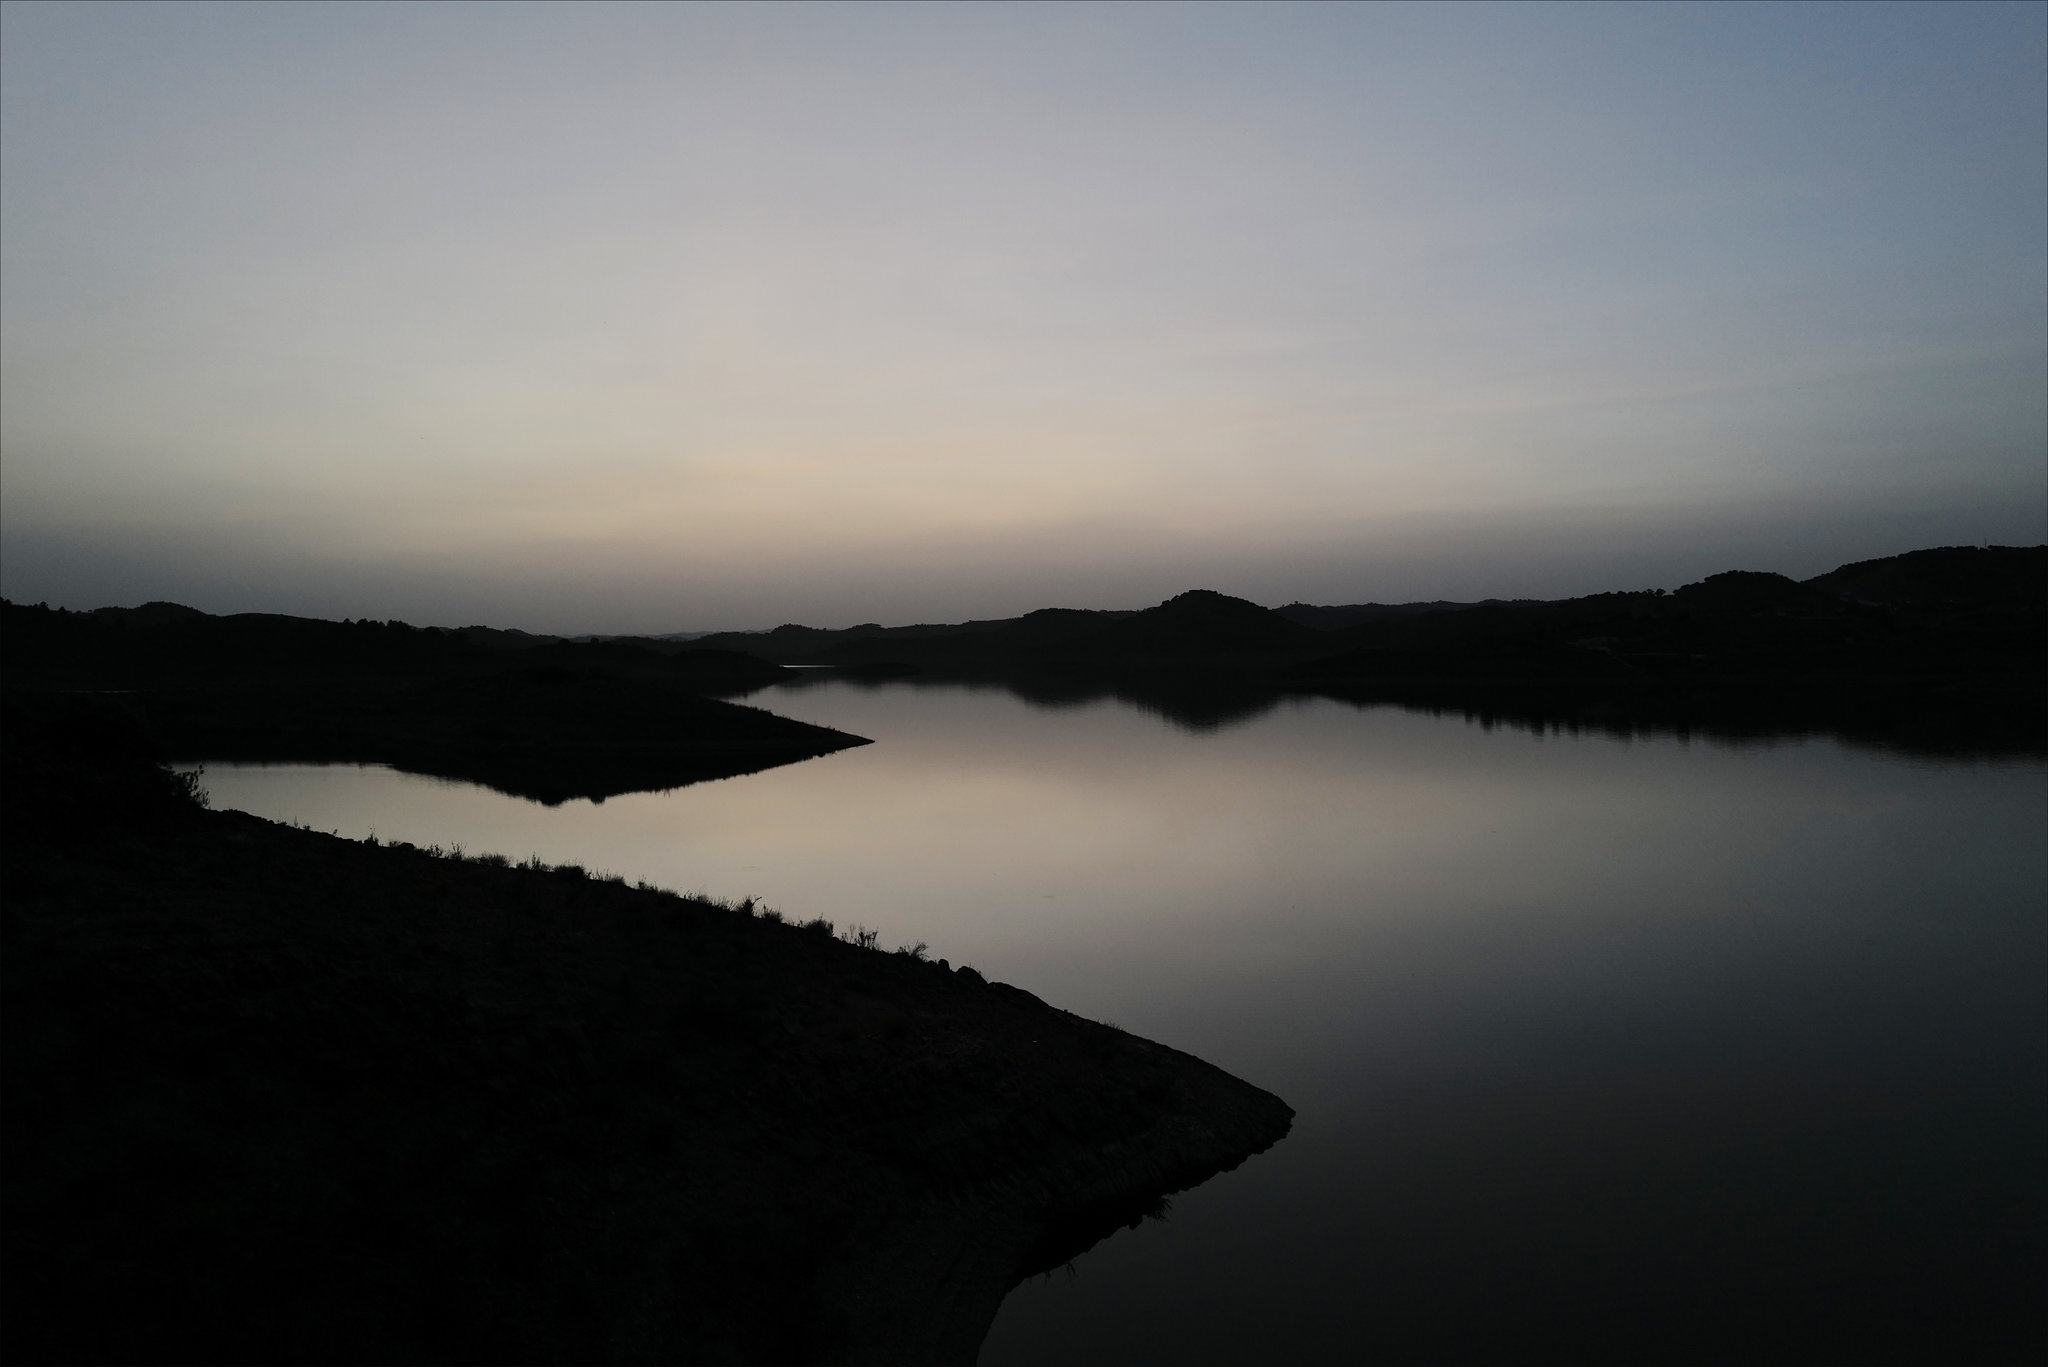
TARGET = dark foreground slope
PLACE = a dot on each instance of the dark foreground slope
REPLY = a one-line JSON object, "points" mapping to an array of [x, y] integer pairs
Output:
{"points": [[538, 718], [272, 1095]]}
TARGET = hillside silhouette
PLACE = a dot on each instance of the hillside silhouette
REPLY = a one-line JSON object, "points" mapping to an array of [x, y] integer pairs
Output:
{"points": [[1943, 649], [1954, 609], [537, 717], [275, 1096]]}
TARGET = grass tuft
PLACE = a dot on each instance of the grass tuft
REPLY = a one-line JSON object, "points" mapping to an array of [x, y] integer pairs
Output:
{"points": [[186, 782]]}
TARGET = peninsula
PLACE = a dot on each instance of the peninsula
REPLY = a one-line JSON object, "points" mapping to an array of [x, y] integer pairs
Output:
{"points": [[271, 1095]]}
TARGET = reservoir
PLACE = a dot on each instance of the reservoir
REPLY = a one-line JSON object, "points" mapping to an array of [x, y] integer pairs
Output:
{"points": [[1603, 1047]]}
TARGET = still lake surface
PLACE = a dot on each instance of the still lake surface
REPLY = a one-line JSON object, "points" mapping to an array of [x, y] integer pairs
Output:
{"points": [[1645, 1049]]}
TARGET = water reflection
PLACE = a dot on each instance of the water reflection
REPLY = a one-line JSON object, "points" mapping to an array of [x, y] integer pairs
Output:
{"points": [[1985, 721], [1600, 1050]]}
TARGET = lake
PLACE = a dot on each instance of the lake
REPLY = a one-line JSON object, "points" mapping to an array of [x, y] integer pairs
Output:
{"points": [[1611, 1048]]}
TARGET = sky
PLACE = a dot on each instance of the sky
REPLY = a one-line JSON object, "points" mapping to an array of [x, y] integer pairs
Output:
{"points": [[650, 318]]}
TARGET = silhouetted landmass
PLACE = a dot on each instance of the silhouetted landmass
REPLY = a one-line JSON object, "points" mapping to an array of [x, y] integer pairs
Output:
{"points": [[1994, 579], [161, 645], [792, 644], [1343, 615], [1216, 631], [534, 716], [271, 1095], [277, 1095], [1939, 650], [1943, 650]]}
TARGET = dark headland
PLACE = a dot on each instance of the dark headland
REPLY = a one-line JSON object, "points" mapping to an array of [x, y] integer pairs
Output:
{"points": [[536, 717], [271, 1095]]}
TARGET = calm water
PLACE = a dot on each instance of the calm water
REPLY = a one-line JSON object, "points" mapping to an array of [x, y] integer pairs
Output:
{"points": [[1644, 1050]]}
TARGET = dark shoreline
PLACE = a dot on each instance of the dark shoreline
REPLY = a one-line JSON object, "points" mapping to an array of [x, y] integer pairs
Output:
{"points": [[274, 1095], [549, 739], [1941, 652], [551, 722]]}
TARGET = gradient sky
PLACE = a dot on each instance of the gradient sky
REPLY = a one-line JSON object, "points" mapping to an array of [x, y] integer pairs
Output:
{"points": [[647, 318]]}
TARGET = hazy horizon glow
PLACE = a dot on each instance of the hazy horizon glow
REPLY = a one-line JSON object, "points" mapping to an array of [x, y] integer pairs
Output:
{"points": [[606, 318]]}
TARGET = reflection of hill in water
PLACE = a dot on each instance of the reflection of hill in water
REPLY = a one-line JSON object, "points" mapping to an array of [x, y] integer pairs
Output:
{"points": [[1935, 652], [1936, 725], [1193, 705], [1958, 722]]}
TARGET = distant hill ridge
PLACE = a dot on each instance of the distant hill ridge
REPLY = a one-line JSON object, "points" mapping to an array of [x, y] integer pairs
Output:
{"points": [[1995, 578], [2014, 577], [1939, 610], [1956, 632], [1982, 576]]}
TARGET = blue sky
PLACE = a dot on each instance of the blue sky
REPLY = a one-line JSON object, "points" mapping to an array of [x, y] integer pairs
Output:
{"points": [[653, 318]]}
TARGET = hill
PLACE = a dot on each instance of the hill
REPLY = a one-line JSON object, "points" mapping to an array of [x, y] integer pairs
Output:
{"points": [[1949, 645], [1942, 648], [1994, 579], [537, 717], [1952, 613]]}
